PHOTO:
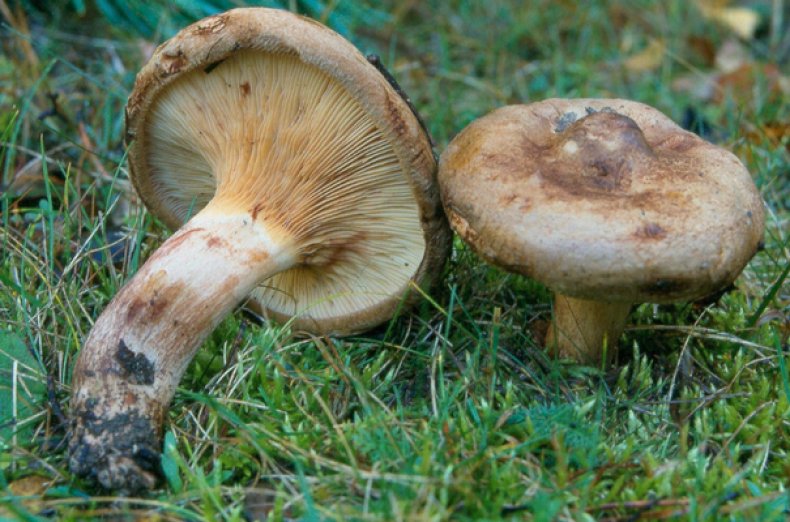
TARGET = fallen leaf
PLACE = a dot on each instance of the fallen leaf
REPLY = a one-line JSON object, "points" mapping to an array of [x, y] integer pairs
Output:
{"points": [[745, 84], [29, 486], [740, 20], [28, 491], [776, 132], [751, 81], [703, 47], [772, 133], [647, 59]]}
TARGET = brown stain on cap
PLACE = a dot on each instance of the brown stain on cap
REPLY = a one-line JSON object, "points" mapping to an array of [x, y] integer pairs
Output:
{"points": [[173, 61], [597, 155], [394, 115], [211, 25]]}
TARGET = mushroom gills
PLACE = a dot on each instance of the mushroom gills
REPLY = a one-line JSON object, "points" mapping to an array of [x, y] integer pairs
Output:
{"points": [[273, 135]]}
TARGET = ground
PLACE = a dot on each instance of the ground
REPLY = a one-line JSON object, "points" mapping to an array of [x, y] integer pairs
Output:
{"points": [[452, 410]]}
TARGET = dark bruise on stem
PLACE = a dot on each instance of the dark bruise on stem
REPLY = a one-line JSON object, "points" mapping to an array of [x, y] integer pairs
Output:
{"points": [[136, 366]]}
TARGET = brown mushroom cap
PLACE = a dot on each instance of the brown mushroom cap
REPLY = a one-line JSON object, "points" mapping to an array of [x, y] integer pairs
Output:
{"points": [[599, 199], [278, 115]]}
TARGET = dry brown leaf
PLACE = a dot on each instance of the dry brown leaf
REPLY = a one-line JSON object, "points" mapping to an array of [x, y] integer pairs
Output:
{"points": [[775, 133], [648, 58], [745, 83], [736, 76], [30, 485], [703, 47], [740, 20], [740, 84], [29, 489]]}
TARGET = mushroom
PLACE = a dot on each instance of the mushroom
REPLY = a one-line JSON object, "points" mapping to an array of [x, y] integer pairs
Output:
{"points": [[298, 176], [607, 202]]}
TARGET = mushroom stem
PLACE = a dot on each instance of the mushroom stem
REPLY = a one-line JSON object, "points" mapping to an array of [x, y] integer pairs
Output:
{"points": [[138, 349], [586, 331]]}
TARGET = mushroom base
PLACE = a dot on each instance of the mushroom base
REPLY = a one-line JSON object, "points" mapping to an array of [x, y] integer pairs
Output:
{"points": [[138, 349], [586, 331], [118, 450]]}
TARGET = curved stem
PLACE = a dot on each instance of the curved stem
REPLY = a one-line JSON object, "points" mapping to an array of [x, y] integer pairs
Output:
{"points": [[586, 331], [138, 349]]}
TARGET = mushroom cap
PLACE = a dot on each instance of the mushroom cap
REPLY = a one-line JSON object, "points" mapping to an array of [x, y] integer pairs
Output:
{"points": [[279, 116], [601, 199]]}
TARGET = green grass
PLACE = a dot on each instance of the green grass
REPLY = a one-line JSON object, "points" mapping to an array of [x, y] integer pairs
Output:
{"points": [[452, 411]]}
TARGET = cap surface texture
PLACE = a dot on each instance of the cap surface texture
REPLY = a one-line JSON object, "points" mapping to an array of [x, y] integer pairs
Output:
{"points": [[602, 200]]}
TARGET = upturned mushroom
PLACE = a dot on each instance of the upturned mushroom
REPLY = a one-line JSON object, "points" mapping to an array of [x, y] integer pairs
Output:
{"points": [[310, 183], [607, 202]]}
